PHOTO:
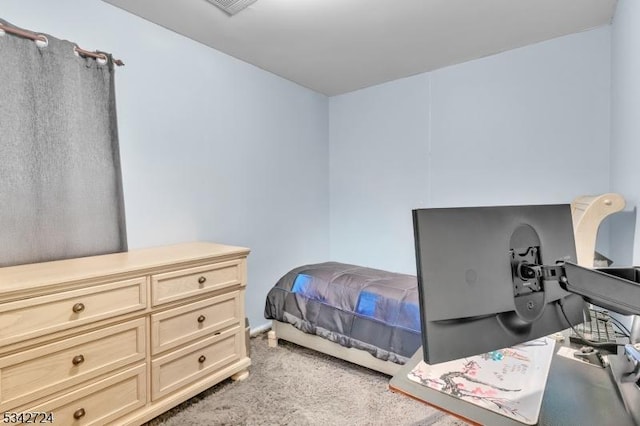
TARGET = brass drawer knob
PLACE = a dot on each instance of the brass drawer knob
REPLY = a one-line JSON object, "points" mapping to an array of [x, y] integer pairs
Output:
{"points": [[202, 359], [78, 307], [201, 319], [202, 280], [78, 414], [78, 359]]}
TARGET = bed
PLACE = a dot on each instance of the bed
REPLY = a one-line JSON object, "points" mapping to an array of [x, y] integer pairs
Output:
{"points": [[367, 316]]}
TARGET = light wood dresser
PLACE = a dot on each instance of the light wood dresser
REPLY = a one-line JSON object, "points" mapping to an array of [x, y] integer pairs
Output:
{"points": [[120, 338]]}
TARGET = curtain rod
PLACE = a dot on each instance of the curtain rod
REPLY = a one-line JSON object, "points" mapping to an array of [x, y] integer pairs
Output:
{"points": [[39, 37]]}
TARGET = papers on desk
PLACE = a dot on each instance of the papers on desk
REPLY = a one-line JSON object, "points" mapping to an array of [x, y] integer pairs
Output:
{"points": [[509, 381]]}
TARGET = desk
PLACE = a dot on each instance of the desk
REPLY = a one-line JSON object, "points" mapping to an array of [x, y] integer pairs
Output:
{"points": [[576, 394]]}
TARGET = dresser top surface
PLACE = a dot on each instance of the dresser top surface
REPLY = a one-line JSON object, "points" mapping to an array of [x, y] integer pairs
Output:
{"points": [[24, 277]]}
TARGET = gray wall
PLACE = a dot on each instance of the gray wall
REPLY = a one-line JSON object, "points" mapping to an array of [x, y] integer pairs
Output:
{"points": [[212, 148], [625, 127], [525, 126]]}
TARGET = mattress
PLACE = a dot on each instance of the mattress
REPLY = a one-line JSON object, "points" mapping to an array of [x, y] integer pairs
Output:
{"points": [[364, 308]]}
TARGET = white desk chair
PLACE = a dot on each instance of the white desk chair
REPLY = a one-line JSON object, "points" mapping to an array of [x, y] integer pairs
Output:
{"points": [[588, 212]]}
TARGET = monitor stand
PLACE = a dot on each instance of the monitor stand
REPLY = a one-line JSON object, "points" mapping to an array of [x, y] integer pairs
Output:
{"points": [[617, 289]]}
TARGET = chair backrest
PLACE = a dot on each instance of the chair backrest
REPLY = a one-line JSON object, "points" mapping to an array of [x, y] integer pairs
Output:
{"points": [[588, 211]]}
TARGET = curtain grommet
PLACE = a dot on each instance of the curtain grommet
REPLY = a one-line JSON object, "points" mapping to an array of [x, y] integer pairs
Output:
{"points": [[40, 42], [102, 59]]}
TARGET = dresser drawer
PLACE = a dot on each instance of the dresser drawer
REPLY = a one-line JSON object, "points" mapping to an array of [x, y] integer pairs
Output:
{"points": [[49, 368], [38, 316], [190, 363], [184, 283], [100, 403], [180, 325]]}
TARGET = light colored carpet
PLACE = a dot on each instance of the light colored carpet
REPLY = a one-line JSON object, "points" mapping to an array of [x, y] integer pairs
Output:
{"points": [[291, 385]]}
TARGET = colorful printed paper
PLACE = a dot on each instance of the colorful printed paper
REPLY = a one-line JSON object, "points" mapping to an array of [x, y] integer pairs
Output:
{"points": [[509, 381]]}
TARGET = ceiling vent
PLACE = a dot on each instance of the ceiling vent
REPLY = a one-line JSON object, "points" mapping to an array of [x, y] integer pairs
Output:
{"points": [[232, 6]]}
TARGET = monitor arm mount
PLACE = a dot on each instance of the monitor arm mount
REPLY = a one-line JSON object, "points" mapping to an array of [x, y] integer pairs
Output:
{"points": [[616, 289]]}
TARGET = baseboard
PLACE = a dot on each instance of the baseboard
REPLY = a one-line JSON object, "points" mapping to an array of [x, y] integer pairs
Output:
{"points": [[260, 329]]}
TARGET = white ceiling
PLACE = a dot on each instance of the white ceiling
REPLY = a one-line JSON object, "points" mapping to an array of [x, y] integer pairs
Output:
{"points": [[336, 46]]}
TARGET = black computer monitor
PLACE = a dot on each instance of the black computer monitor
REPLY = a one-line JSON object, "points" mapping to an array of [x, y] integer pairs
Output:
{"points": [[477, 282]]}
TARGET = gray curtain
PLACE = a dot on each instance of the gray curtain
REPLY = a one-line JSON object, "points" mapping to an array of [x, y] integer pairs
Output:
{"points": [[60, 178]]}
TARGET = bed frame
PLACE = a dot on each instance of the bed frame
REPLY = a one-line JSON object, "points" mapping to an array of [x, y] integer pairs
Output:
{"points": [[588, 211], [284, 331]]}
